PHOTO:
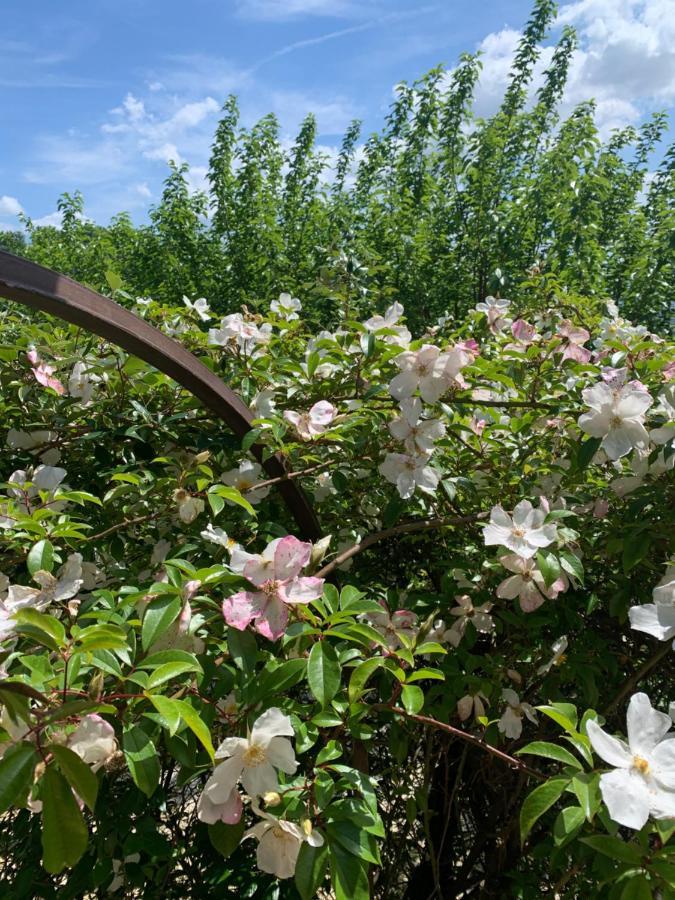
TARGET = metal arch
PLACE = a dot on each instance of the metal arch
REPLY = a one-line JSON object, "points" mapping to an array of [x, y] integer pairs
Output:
{"points": [[40, 288]]}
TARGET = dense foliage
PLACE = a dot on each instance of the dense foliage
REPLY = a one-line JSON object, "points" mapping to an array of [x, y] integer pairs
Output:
{"points": [[437, 210], [421, 704]]}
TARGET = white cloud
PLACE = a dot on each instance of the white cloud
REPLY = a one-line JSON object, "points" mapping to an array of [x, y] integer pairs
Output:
{"points": [[143, 190], [9, 206], [625, 60], [53, 219], [287, 9]]}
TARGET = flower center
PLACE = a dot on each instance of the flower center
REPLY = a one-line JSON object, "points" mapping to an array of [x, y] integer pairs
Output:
{"points": [[641, 765], [616, 422], [244, 485], [253, 756], [519, 532]]}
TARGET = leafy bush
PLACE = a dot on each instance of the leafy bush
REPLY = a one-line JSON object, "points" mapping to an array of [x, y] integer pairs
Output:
{"points": [[422, 702]]}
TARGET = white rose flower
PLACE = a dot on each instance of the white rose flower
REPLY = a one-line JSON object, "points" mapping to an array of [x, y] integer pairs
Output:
{"points": [[244, 479], [189, 507], [559, 648], [314, 422], [657, 618], [53, 589], [286, 307], [279, 843], [464, 613], [253, 760], [511, 722], [524, 534], [93, 740], [527, 583], [200, 307], [389, 322], [417, 434], [408, 471], [617, 416], [643, 781]]}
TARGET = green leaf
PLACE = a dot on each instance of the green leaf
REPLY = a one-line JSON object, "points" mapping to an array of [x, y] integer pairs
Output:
{"points": [[538, 802], [551, 751], [310, 870], [572, 565], [638, 888], [226, 838], [41, 556], [280, 679], [101, 637], [142, 759], [349, 876], [162, 657], [196, 725], [168, 710], [426, 675], [113, 279], [635, 548], [564, 714], [566, 826], [586, 786], [412, 698], [243, 649], [16, 773], [47, 624], [360, 676], [586, 451], [232, 495], [548, 566], [64, 834], [79, 775], [167, 671], [323, 672], [615, 848], [355, 840], [159, 615]]}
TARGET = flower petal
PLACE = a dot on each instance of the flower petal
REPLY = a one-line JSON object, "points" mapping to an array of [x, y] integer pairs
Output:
{"points": [[626, 796], [272, 723], [611, 749], [280, 753], [646, 726]]}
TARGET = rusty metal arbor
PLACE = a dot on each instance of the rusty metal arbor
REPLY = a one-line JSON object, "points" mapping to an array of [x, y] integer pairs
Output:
{"points": [[40, 288]]}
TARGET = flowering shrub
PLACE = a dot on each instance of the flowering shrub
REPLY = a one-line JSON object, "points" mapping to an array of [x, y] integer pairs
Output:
{"points": [[422, 702]]}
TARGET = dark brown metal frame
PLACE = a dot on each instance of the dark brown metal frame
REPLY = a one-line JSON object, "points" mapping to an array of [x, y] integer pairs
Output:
{"points": [[40, 288]]}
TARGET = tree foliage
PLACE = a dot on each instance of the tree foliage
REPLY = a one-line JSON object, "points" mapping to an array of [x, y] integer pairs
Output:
{"points": [[438, 209]]}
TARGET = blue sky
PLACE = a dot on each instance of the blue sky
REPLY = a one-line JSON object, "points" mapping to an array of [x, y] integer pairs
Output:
{"points": [[98, 95]]}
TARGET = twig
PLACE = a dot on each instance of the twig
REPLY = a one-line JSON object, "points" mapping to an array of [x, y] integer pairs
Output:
{"points": [[471, 739], [637, 676], [405, 528]]}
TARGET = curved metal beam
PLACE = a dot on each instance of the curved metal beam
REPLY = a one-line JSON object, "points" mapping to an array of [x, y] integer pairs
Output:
{"points": [[40, 288]]}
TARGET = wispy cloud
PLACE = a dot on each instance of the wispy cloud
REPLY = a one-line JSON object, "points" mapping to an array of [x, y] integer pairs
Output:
{"points": [[342, 33], [288, 9]]}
